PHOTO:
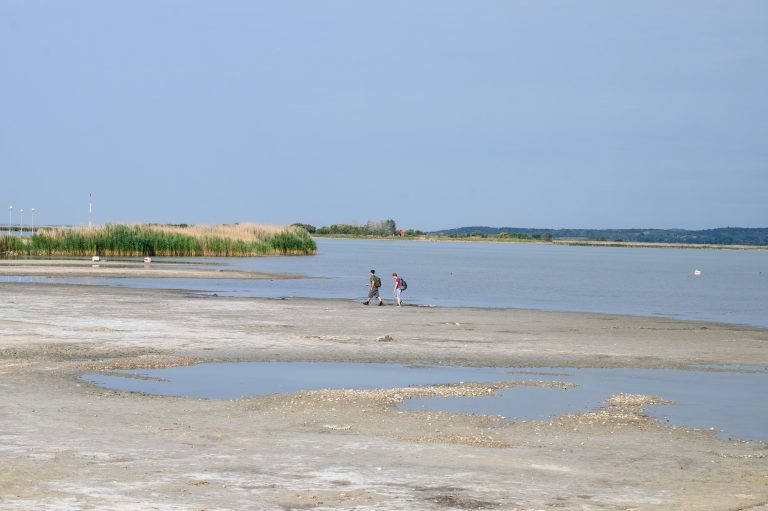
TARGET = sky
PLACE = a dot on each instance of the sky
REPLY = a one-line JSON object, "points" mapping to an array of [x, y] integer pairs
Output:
{"points": [[436, 113]]}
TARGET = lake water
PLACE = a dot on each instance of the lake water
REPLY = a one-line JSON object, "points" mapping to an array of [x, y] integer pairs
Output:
{"points": [[727, 400], [732, 287]]}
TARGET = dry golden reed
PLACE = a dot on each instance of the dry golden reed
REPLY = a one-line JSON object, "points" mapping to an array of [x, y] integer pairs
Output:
{"points": [[226, 240]]}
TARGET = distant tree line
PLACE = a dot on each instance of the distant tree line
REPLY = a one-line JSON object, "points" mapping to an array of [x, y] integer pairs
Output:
{"points": [[372, 228], [719, 236], [503, 235]]}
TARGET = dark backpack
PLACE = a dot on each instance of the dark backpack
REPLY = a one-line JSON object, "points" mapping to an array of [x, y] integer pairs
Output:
{"points": [[403, 283], [376, 282]]}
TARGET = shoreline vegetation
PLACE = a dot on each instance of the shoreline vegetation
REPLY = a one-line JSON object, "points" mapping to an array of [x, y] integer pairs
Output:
{"points": [[227, 240], [727, 238], [573, 242]]}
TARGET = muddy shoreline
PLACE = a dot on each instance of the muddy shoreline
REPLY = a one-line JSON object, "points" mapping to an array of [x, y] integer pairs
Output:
{"points": [[67, 445], [122, 268]]}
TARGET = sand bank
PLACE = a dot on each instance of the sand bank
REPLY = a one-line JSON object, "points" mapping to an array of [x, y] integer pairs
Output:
{"points": [[68, 268], [64, 444]]}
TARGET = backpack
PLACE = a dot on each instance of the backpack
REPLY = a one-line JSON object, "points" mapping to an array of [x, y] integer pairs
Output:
{"points": [[403, 284], [376, 281]]}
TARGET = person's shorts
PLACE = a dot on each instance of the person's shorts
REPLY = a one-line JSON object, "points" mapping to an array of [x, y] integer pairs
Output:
{"points": [[373, 293], [397, 292]]}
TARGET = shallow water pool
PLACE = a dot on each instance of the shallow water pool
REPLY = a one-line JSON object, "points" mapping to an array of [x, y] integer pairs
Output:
{"points": [[728, 399]]}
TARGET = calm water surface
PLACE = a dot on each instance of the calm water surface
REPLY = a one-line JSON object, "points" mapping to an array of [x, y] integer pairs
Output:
{"points": [[732, 288], [730, 401]]}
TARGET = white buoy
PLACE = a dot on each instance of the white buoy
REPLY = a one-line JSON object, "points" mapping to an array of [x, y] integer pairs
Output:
{"points": [[697, 272]]}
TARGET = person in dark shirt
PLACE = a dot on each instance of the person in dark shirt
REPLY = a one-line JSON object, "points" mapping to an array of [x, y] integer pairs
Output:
{"points": [[373, 288]]}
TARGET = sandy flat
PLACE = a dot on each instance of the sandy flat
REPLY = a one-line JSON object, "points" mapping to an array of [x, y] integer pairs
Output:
{"points": [[67, 445], [69, 268]]}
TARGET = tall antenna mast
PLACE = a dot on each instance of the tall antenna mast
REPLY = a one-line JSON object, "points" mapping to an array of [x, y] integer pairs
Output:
{"points": [[90, 210]]}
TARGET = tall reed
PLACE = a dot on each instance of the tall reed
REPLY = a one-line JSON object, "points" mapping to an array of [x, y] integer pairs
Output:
{"points": [[238, 240]]}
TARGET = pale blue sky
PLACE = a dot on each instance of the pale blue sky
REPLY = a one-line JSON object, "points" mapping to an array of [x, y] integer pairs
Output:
{"points": [[435, 113]]}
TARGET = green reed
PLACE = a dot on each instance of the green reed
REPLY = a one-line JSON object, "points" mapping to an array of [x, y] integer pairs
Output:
{"points": [[159, 240]]}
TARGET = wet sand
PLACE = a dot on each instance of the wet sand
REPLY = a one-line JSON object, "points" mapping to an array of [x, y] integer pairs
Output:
{"points": [[67, 445], [69, 268]]}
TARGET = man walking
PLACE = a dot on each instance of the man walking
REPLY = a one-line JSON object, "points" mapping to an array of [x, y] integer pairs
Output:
{"points": [[373, 288]]}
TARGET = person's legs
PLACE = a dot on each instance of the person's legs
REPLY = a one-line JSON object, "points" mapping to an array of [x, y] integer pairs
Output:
{"points": [[373, 293]]}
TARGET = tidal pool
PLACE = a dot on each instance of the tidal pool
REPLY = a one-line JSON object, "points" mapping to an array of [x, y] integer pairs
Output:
{"points": [[729, 399]]}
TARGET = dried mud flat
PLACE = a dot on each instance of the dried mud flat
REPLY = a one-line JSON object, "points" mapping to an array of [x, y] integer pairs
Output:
{"points": [[67, 445]]}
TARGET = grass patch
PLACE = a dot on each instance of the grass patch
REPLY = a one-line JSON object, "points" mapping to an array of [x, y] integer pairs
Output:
{"points": [[238, 240]]}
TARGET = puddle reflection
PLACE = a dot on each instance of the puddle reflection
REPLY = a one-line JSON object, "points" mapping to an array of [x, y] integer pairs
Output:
{"points": [[726, 399]]}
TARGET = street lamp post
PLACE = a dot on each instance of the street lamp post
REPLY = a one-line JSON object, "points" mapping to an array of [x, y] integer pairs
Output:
{"points": [[10, 219], [21, 223], [33, 221]]}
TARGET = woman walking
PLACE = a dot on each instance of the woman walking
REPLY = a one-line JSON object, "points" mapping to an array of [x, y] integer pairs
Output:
{"points": [[400, 285]]}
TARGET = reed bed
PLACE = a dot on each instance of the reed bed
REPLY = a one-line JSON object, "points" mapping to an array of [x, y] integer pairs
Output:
{"points": [[238, 240]]}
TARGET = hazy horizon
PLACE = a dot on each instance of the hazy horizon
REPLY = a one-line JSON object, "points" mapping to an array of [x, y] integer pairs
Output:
{"points": [[399, 226]]}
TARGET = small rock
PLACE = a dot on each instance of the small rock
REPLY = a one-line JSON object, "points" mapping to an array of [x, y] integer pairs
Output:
{"points": [[385, 338], [337, 427]]}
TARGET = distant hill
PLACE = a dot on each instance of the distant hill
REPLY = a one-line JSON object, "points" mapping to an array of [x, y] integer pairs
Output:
{"points": [[720, 236]]}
